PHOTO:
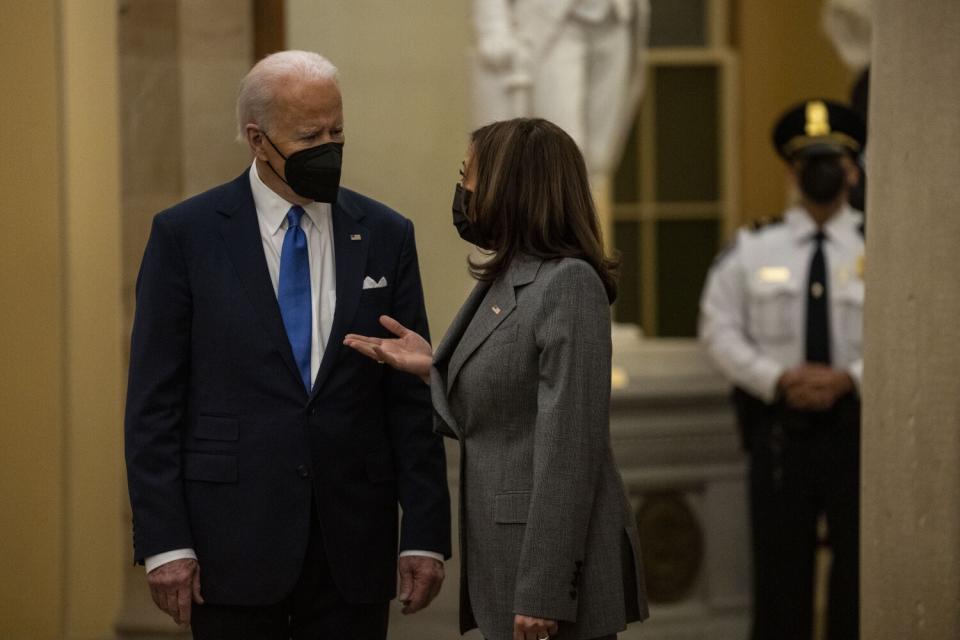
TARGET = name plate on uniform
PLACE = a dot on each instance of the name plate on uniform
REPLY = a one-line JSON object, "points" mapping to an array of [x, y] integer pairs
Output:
{"points": [[774, 274]]}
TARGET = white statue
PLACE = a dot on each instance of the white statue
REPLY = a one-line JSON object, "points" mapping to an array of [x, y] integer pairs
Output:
{"points": [[848, 24], [577, 63]]}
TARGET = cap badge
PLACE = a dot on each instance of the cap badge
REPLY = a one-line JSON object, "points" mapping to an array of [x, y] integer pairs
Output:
{"points": [[818, 119]]}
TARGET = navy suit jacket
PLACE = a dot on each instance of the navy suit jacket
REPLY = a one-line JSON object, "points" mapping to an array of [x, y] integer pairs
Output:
{"points": [[226, 451]]}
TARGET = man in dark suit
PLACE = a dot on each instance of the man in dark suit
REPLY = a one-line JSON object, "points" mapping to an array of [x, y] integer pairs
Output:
{"points": [[265, 461]]}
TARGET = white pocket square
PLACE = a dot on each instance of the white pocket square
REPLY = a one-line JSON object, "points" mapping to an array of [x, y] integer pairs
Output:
{"points": [[370, 283]]}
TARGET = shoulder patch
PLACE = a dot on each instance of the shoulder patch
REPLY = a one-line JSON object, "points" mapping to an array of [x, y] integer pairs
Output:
{"points": [[725, 251], [767, 221]]}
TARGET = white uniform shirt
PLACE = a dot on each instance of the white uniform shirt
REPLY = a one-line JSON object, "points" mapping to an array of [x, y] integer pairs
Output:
{"points": [[753, 308]]}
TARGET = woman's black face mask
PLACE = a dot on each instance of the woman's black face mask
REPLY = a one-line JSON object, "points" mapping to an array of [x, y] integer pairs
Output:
{"points": [[314, 172], [465, 227]]}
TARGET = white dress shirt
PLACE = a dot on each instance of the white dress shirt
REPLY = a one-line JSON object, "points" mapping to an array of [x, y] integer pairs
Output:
{"points": [[317, 224], [753, 309]]}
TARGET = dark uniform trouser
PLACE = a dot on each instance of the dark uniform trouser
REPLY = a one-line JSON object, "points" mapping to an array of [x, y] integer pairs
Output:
{"points": [[314, 611], [803, 465]]}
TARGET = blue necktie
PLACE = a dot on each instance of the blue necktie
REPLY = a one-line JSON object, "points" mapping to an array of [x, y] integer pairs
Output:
{"points": [[293, 293]]}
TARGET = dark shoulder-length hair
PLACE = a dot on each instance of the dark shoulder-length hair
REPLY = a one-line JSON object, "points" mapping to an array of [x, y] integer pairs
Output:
{"points": [[532, 196]]}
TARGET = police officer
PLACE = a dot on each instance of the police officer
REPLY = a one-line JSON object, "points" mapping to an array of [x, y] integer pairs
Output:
{"points": [[781, 316]]}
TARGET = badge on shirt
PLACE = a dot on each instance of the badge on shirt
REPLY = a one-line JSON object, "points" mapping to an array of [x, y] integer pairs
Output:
{"points": [[773, 275]]}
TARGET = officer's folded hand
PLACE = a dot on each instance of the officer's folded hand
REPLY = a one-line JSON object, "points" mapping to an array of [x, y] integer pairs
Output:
{"points": [[814, 387]]}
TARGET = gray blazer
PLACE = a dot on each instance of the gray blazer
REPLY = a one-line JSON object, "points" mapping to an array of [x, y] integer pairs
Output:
{"points": [[522, 380]]}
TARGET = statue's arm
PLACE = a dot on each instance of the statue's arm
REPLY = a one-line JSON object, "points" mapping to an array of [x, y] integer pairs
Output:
{"points": [[493, 27]]}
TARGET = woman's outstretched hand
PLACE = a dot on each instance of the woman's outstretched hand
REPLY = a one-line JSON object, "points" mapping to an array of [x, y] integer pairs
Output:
{"points": [[407, 352]]}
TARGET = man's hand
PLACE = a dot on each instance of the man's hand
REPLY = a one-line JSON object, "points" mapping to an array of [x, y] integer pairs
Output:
{"points": [[420, 582], [814, 387], [174, 585], [529, 628]]}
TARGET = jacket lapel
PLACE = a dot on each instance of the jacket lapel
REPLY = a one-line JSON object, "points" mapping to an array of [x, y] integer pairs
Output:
{"points": [[438, 379], [499, 303], [460, 322], [351, 260], [240, 231], [438, 394], [495, 307]]}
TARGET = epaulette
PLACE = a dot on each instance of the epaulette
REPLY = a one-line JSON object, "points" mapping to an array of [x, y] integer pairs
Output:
{"points": [[752, 227], [763, 223], [724, 252]]}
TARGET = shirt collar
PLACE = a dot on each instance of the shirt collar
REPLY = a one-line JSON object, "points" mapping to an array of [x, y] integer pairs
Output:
{"points": [[272, 209], [803, 227]]}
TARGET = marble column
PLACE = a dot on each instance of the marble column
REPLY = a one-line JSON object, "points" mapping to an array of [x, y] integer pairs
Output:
{"points": [[180, 68], [911, 429]]}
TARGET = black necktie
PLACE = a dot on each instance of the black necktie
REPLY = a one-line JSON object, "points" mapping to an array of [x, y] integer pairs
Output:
{"points": [[818, 321]]}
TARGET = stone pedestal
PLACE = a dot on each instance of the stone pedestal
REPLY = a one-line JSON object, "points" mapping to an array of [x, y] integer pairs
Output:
{"points": [[676, 443]]}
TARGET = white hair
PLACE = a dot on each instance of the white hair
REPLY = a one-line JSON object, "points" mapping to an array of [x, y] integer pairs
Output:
{"points": [[257, 89]]}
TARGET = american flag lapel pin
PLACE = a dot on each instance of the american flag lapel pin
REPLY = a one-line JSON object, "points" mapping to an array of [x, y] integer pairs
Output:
{"points": [[496, 309], [355, 236]]}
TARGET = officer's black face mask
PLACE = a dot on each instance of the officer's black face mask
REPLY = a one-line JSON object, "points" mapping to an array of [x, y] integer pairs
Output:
{"points": [[465, 227], [822, 178], [314, 172]]}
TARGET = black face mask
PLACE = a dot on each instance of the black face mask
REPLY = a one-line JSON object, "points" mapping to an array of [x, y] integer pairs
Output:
{"points": [[466, 228], [822, 178], [314, 172]]}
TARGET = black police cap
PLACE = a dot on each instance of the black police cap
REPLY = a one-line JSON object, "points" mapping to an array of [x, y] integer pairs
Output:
{"points": [[819, 126]]}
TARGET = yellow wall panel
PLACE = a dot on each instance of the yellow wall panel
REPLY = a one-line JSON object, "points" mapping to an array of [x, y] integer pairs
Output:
{"points": [[785, 58], [60, 489], [93, 362], [31, 326]]}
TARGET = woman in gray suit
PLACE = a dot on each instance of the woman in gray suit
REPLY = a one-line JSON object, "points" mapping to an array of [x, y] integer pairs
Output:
{"points": [[549, 547]]}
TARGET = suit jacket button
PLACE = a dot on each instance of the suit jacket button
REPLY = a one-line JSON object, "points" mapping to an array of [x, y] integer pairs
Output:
{"points": [[303, 471]]}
